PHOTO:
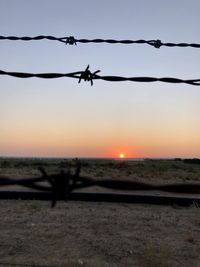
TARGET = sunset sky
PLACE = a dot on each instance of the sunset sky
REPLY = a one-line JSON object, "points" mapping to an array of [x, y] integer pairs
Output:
{"points": [[61, 118]]}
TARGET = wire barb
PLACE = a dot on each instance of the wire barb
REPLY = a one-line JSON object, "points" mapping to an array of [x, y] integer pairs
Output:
{"points": [[155, 43], [71, 40], [88, 76]]}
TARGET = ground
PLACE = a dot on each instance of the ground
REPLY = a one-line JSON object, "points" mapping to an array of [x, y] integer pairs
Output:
{"points": [[79, 233]]}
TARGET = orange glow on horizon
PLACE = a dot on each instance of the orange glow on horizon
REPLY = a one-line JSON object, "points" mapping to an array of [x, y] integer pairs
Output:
{"points": [[46, 142]]}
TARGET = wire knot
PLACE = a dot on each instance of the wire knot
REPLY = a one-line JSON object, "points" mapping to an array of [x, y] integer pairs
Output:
{"points": [[155, 43], [88, 76], [70, 40]]}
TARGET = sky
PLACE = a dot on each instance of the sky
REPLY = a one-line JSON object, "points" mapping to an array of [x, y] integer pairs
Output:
{"points": [[62, 118]]}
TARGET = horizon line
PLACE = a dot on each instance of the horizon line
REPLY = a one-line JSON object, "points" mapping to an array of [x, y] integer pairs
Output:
{"points": [[93, 158]]}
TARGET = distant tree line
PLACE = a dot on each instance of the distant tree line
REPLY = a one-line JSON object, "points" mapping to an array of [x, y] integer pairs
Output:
{"points": [[190, 161]]}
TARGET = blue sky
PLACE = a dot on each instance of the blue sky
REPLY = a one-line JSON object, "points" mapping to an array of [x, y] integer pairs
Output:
{"points": [[63, 118]]}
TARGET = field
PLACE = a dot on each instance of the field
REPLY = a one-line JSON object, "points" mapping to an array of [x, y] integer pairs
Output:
{"points": [[79, 233]]}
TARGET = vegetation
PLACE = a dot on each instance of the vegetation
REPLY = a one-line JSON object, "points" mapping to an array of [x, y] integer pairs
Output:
{"points": [[143, 170]]}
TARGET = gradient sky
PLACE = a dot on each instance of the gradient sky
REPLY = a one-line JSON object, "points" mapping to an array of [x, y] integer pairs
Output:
{"points": [[62, 118]]}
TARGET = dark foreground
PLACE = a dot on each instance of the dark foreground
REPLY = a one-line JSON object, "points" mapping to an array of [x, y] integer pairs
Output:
{"points": [[79, 233]]}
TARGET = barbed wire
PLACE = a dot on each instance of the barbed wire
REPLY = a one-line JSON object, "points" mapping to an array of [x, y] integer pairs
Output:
{"points": [[87, 75], [71, 40], [61, 185], [24, 265]]}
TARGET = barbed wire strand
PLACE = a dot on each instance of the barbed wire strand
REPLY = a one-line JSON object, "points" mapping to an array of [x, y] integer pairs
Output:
{"points": [[71, 40], [87, 75], [24, 265], [61, 185]]}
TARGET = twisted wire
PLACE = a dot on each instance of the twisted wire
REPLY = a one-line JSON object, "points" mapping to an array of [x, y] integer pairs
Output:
{"points": [[23, 265], [87, 75], [61, 185], [34, 38], [155, 43], [71, 41]]}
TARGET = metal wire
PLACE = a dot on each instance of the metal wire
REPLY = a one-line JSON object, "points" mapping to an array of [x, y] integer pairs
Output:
{"points": [[73, 41], [24, 265], [87, 75], [35, 38], [61, 185]]}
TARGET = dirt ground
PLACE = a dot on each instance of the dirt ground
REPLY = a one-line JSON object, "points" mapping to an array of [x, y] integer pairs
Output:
{"points": [[98, 234]]}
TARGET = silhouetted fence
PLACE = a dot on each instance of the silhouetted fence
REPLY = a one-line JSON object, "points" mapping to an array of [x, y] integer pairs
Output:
{"points": [[87, 75], [61, 186], [71, 40], [24, 265]]}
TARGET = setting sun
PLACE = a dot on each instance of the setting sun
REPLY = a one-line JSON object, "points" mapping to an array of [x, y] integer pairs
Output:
{"points": [[121, 155]]}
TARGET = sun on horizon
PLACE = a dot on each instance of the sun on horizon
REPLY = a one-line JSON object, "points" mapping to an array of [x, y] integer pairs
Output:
{"points": [[121, 155]]}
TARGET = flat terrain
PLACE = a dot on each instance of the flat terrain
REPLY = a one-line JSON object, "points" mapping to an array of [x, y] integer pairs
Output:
{"points": [[79, 233]]}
